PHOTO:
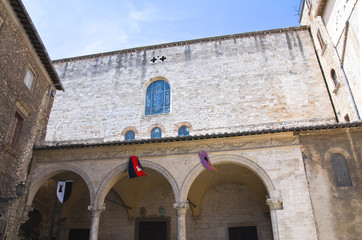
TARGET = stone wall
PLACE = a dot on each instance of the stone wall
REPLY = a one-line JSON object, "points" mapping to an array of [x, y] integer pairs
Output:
{"points": [[229, 205], [17, 56], [241, 82], [337, 42], [274, 159], [337, 209]]}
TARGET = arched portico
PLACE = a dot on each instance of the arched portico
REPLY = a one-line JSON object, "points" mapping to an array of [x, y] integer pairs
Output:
{"points": [[130, 195], [232, 169], [119, 172], [57, 219], [233, 159], [51, 171]]}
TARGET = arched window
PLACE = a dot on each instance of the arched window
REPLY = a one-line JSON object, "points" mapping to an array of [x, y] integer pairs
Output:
{"points": [[130, 135], [183, 131], [340, 170], [158, 98], [156, 133]]}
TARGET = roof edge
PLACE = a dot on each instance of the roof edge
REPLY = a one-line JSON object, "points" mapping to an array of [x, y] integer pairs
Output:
{"points": [[321, 7], [29, 28], [200, 137], [186, 42]]}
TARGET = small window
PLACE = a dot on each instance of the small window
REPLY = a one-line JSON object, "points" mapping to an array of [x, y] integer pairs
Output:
{"points": [[321, 41], [334, 78], [130, 135], [340, 171], [156, 133], [29, 79], [14, 131], [158, 98], [183, 131], [3, 223]]}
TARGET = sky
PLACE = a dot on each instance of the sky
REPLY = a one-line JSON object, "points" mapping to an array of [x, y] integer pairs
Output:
{"points": [[70, 28]]}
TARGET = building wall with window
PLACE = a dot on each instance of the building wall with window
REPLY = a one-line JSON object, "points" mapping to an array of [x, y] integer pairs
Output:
{"points": [[256, 102], [333, 158], [25, 101], [334, 26], [240, 82], [268, 107], [333, 166]]}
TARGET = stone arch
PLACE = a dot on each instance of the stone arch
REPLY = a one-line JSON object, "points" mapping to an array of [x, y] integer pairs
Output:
{"points": [[119, 172], [154, 79], [334, 150], [234, 159], [129, 128], [274, 196], [54, 170], [156, 125]]}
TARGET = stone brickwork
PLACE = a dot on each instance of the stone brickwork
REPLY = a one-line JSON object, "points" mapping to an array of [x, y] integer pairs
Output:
{"points": [[335, 32], [275, 160], [337, 209], [229, 205], [33, 105], [262, 80]]}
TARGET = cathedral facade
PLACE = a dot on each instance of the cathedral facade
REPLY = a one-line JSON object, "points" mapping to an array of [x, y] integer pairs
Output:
{"points": [[245, 136]]}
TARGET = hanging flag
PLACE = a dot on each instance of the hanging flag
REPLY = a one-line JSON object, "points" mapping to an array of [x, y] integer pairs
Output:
{"points": [[205, 160], [64, 189], [134, 168]]}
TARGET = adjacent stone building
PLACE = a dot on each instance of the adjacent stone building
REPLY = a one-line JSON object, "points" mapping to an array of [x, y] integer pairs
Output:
{"points": [[333, 158], [277, 111], [28, 82]]}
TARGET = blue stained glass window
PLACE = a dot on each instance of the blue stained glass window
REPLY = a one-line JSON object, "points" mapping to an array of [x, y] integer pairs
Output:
{"points": [[130, 135], [156, 133], [158, 98], [183, 131]]}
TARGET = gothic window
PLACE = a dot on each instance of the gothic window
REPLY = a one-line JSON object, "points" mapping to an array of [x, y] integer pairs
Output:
{"points": [[14, 131], [158, 98], [130, 135], [183, 131], [156, 133], [340, 171], [29, 79]]}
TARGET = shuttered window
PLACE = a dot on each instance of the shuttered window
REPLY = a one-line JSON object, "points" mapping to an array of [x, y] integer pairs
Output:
{"points": [[14, 131]]}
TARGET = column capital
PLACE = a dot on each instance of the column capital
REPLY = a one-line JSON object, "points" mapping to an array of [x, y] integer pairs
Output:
{"points": [[274, 203], [181, 208], [181, 205], [96, 210]]}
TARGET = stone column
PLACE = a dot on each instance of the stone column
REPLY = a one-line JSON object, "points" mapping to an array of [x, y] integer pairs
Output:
{"points": [[274, 205], [181, 209], [96, 213]]}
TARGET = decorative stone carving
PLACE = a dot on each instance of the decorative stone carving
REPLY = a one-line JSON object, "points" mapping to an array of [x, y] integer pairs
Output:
{"points": [[227, 144], [96, 210], [181, 208], [274, 203]]}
